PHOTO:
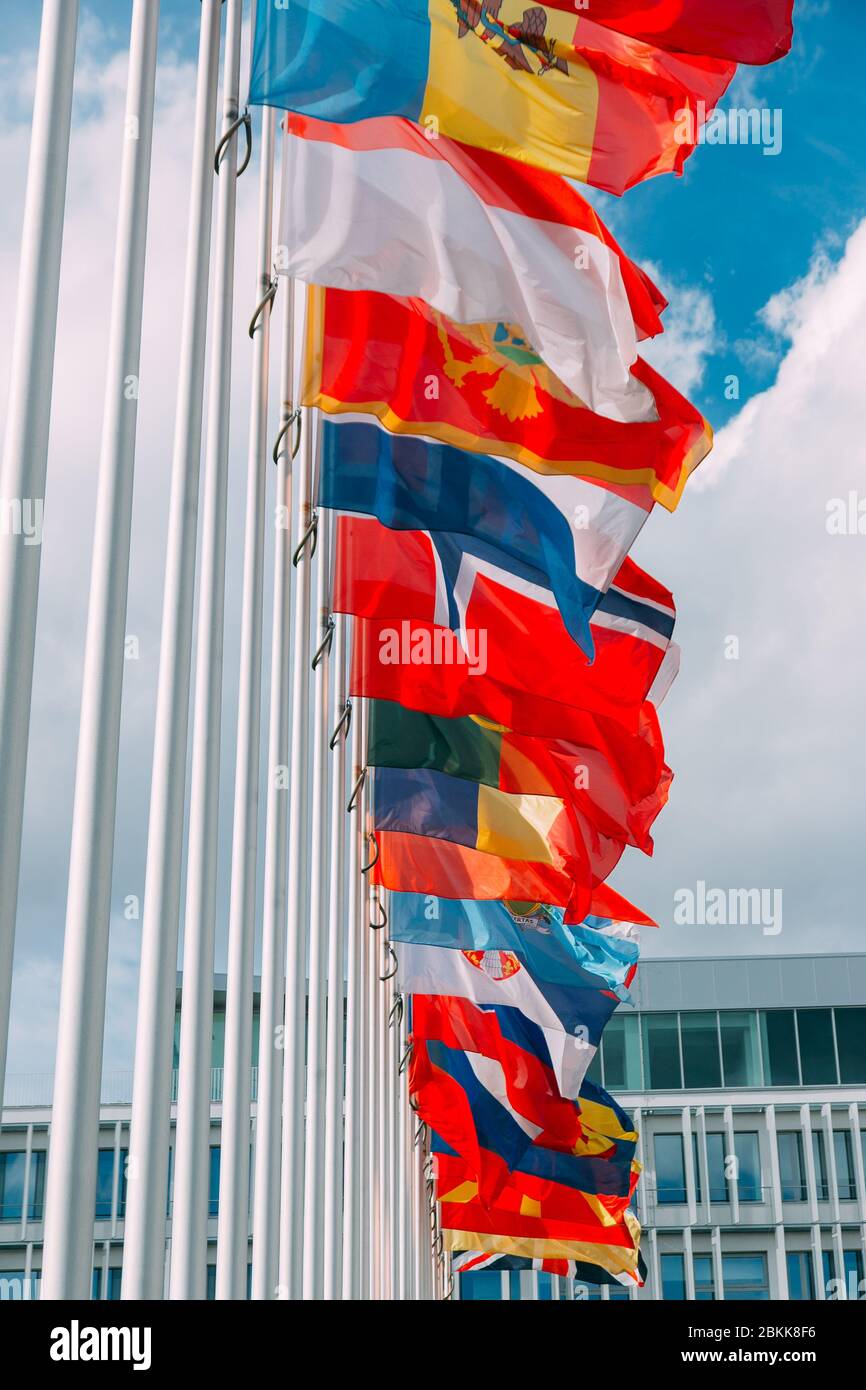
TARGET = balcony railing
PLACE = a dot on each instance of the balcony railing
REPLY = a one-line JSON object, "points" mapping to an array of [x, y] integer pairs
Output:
{"points": [[34, 1090]]}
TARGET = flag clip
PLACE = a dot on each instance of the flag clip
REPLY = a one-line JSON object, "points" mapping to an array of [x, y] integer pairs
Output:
{"points": [[356, 791], [367, 867], [344, 724], [312, 531], [244, 120], [294, 418], [389, 974], [324, 646], [266, 299], [379, 926]]}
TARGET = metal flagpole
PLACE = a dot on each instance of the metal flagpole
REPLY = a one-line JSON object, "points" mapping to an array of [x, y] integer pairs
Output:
{"points": [[374, 1152], [67, 1260], [354, 1188], [403, 1287], [68, 1243], [25, 453], [392, 1056], [334, 1105], [320, 852], [144, 1233], [233, 1224], [266, 1187], [190, 1204], [292, 1162]]}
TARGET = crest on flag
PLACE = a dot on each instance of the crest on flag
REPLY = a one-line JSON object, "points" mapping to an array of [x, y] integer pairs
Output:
{"points": [[523, 45], [497, 965]]}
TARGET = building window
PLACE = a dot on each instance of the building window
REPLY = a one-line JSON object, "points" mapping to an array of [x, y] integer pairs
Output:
{"points": [[673, 1277], [210, 1291], [745, 1278], [697, 1167], [740, 1052], [16, 1284], [662, 1052], [792, 1172], [851, 1043], [484, 1286], [846, 1185], [104, 1184], [705, 1284], [670, 1169], [107, 1287], [854, 1273], [817, 1053], [36, 1199], [702, 1064], [213, 1201], [779, 1038], [12, 1167], [621, 1053], [828, 1264], [801, 1281], [716, 1159], [822, 1182], [748, 1155]]}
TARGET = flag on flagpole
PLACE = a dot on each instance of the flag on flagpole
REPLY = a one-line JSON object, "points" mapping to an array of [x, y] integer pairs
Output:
{"points": [[475, 1262], [378, 206], [562, 536], [483, 389], [553, 949], [540, 85], [411, 583], [617, 779], [743, 31]]}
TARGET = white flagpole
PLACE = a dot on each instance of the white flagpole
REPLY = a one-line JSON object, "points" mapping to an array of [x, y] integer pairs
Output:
{"points": [[292, 1160], [320, 853], [354, 1188], [392, 1054], [266, 1182], [144, 1234], [188, 1277], [25, 453], [68, 1251], [375, 1156], [334, 1103], [234, 1217]]}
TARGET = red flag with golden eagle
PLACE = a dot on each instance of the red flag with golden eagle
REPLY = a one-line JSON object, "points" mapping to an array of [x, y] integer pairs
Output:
{"points": [[481, 387]]}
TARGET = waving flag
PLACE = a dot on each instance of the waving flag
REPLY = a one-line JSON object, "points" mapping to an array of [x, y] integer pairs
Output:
{"points": [[411, 583], [378, 206], [475, 1261], [483, 389], [538, 84], [560, 535], [603, 947], [572, 1020], [451, 1094], [743, 31], [519, 1072], [617, 779], [528, 1192], [474, 1226]]}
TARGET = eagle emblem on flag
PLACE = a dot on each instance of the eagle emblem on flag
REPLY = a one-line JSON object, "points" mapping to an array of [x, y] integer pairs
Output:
{"points": [[496, 965], [502, 351], [524, 45]]}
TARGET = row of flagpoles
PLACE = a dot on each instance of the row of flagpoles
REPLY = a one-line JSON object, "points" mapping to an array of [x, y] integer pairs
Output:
{"points": [[318, 1228]]}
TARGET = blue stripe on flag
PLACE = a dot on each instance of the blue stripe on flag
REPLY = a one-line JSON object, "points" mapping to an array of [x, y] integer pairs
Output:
{"points": [[421, 485]]}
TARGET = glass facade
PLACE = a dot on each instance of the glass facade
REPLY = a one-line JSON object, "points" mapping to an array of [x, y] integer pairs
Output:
{"points": [[673, 1269], [732, 1049], [13, 1181], [801, 1280], [745, 1277]]}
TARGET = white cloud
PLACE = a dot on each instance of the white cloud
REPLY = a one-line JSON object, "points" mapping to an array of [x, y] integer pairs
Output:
{"points": [[771, 769], [690, 332]]}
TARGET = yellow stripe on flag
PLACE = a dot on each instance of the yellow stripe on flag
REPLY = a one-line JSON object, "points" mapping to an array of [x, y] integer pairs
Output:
{"points": [[516, 826]]}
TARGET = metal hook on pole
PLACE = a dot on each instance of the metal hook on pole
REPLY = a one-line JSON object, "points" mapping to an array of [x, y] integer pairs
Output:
{"points": [[378, 926], [389, 975], [324, 646], [312, 532], [356, 790], [293, 419], [245, 120], [396, 1014], [344, 724], [365, 868], [449, 1292], [266, 299], [419, 1132], [407, 1053]]}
